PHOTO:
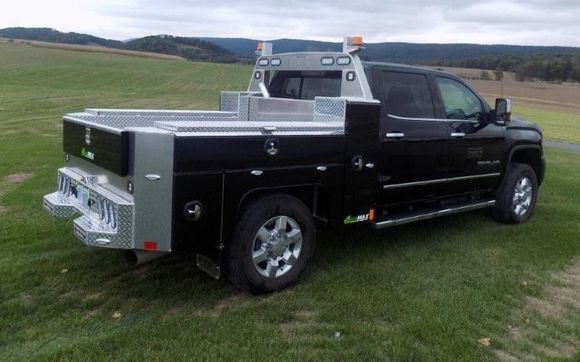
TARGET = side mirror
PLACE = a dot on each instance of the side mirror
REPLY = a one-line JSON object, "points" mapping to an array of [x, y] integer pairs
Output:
{"points": [[503, 110]]}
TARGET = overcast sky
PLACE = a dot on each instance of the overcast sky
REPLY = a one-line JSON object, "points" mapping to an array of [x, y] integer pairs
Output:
{"points": [[530, 22]]}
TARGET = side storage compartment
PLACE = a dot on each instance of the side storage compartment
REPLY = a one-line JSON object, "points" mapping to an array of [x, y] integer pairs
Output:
{"points": [[106, 149], [197, 210], [361, 163]]}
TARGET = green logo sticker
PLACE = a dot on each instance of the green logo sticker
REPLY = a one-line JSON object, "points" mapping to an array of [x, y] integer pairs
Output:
{"points": [[353, 219], [87, 154]]}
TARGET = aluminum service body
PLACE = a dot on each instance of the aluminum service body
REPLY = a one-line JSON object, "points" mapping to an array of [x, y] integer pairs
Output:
{"points": [[128, 209]]}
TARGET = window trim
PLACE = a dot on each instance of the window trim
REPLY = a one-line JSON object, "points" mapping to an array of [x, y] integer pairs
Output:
{"points": [[450, 120]]}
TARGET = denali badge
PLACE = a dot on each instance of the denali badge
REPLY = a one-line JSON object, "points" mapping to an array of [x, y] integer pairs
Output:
{"points": [[474, 153], [87, 136], [488, 163]]}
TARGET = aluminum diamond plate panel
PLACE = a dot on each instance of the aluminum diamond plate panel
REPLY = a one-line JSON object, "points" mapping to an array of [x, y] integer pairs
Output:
{"points": [[106, 219], [329, 109], [246, 114], [264, 127]]}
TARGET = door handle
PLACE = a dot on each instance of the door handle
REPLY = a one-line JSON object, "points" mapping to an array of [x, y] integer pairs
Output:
{"points": [[458, 134], [395, 135]]}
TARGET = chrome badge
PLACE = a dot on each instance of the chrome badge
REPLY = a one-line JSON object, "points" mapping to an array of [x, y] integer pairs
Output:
{"points": [[87, 135]]}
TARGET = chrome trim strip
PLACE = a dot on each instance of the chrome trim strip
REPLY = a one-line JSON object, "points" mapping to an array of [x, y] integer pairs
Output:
{"points": [[431, 215], [458, 134], [395, 135], [431, 119], [222, 210], [438, 181]]}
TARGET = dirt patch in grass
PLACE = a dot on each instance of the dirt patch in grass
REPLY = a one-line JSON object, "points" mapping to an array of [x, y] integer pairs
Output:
{"points": [[17, 178], [546, 330], [9, 182], [233, 301]]}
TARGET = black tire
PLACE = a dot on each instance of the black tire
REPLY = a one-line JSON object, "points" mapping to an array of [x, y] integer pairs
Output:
{"points": [[239, 254], [505, 205]]}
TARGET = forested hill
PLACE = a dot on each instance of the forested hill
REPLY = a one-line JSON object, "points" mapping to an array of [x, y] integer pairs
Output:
{"points": [[55, 36], [550, 63], [188, 48], [395, 52]]}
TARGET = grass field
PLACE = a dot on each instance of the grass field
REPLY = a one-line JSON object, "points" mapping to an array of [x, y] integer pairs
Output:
{"points": [[419, 292], [556, 107], [91, 49]]}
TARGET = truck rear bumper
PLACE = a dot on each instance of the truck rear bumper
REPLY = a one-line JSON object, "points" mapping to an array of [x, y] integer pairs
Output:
{"points": [[106, 219]]}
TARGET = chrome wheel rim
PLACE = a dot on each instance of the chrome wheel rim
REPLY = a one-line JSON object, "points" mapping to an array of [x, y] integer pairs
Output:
{"points": [[277, 246], [523, 193]]}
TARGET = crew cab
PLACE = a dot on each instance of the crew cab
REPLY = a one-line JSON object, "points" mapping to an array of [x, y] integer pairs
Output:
{"points": [[318, 137]]}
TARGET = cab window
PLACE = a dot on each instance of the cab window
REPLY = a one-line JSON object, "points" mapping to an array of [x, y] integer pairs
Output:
{"points": [[407, 95], [305, 85], [459, 101]]}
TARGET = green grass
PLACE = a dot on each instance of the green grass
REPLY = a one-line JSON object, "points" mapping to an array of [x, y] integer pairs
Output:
{"points": [[417, 292], [557, 126]]}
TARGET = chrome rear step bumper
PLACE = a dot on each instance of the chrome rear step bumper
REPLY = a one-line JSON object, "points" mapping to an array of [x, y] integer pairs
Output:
{"points": [[106, 219]]}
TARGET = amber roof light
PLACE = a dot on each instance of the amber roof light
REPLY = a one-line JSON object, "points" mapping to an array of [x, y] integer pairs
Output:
{"points": [[357, 40]]}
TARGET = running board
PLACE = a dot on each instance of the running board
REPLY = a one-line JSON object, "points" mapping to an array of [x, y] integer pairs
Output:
{"points": [[430, 214]]}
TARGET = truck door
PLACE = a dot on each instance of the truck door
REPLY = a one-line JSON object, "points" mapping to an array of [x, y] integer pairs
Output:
{"points": [[413, 159], [475, 145], [361, 159]]}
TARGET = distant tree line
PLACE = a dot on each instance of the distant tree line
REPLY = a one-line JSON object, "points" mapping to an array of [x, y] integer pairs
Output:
{"points": [[545, 67], [55, 36], [194, 49], [189, 48], [554, 64]]}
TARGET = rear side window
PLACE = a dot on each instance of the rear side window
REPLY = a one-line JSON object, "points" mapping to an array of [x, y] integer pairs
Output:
{"points": [[305, 85], [407, 95]]}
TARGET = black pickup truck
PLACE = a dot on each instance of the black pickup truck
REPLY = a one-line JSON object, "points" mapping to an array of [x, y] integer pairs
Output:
{"points": [[318, 137]]}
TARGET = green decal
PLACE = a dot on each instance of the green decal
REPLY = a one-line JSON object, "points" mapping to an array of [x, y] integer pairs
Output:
{"points": [[349, 220], [359, 218], [87, 154]]}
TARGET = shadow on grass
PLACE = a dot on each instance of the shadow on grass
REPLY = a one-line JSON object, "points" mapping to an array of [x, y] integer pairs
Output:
{"points": [[175, 282]]}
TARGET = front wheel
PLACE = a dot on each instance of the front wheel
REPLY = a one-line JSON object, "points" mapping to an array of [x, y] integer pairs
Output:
{"points": [[274, 240], [516, 197]]}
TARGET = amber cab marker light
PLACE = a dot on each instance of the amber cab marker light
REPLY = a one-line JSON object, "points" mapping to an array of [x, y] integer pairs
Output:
{"points": [[357, 40], [371, 214]]}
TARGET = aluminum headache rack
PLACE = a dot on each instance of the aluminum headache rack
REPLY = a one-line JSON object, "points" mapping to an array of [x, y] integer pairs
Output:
{"points": [[240, 113]]}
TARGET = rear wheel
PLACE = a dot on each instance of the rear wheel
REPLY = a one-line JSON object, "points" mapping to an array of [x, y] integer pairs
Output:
{"points": [[516, 198], [274, 240]]}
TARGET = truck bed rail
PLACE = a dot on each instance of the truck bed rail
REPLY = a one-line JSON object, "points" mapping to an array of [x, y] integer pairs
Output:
{"points": [[253, 114]]}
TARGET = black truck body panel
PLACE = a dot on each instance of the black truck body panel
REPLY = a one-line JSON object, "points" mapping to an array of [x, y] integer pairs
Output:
{"points": [[338, 189], [105, 149]]}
